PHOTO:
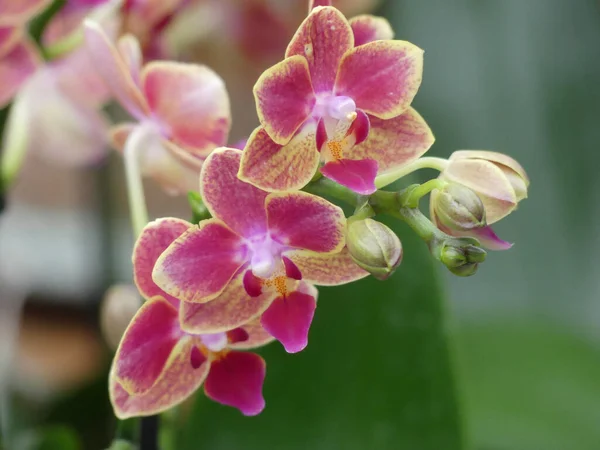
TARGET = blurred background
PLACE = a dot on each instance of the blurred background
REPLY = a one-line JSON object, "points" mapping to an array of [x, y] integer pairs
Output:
{"points": [[518, 77]]}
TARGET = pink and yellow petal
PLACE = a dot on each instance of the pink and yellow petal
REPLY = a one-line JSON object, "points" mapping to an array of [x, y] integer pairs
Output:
{"points": [[238, 204], [154, 239], [306, 221], [174, 386], [199, 264], [368, 28], [288, 320], [273, 167], [191, 103], [284, 98], [19, 11], [257, 336], [152, 340], [236, 379], [382, 77], [16, 67], [322, 39], [327, 270], [9, 36], [395, 142], [233, 308], [114, 70]]}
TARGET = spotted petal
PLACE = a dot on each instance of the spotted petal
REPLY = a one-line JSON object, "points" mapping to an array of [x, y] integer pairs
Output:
{"points": [[288, 320], [284, 98], [274, 167], [322, 39], [240, 205], [237, 380], [114, 70], [358, 175], [190, 101], [306, 221], [382, 77], [327, 270], [154, 239], [368, 28], [180, 380], [16, 67], [150, 344], [199, 264], [232, 309]]}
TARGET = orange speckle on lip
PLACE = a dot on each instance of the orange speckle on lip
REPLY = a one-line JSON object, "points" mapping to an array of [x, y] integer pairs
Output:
{"points": [[335, 147]]}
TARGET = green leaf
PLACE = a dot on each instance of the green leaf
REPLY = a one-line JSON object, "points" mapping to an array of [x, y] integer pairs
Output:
{"points": [[376, 374]]}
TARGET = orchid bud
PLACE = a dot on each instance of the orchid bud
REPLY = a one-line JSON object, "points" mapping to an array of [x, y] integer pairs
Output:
{"points": [[119, 305], [462, 257], [374, 247], [457, 208], [498, 180]]}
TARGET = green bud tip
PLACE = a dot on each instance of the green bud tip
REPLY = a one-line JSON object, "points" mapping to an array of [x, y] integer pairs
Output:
{"points": [[374, 247], [462, 257]]}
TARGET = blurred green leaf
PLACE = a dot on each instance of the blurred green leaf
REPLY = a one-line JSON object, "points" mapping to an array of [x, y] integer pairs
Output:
{"points": [[376, 374], [50, 437], [531, 386]]}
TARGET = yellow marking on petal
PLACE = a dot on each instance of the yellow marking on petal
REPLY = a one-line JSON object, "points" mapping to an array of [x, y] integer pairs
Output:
{"points": [[218, 356], [335, 148], [279, 282]]}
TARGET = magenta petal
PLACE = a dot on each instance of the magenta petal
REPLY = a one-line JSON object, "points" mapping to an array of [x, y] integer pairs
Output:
{"points": [[284, 98], [15, 68], [240, 205], [237, 380], [367, 28], [360, 127], [9, 36], [321, 136], [152, 242], [252, 284], [288, 320], [20, 10], [358, 175], [291, 269], [199, 264], [314, 3], [147, 345], [489, 239], [237, 335], [301, 220], [322, 40]]}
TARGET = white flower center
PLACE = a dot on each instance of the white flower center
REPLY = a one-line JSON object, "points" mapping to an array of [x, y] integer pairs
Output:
{"points": [[266, 256], [336, 107], [214, 342]]}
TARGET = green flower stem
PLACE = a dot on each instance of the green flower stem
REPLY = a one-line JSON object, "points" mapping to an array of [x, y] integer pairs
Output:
{"points": [[324, 187], [411, 198], [135, 187], [428, 162]]}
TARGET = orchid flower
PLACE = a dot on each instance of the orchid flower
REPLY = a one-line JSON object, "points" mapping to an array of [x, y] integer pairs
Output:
{"points": [[337, 88], [159, 365], [19, 58], [266, 244], [182, 110]]}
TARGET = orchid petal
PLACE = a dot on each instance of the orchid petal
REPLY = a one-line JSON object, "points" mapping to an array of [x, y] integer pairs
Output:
{"points": [[500, 158], [489, 183], [358, 175], [284, 98], [231, 309], [190, 101], [252, 284], [237, 380], [382, 77], [199, 264], [15, 68], [306, 221], [489, 239], [114, 70], [177, 383], [273, 167], [288, 320], [368, 28], [257, 336], [395, 142], [19, 11], [131, 53], [322, 39], [327, 270], [148, 346], [240, 205], [314, 3], [154, 239], [9, 36]]}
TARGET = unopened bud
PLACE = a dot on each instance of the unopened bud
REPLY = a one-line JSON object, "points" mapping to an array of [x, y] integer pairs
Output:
{"points": [[374, 247], [119, 305], [458, 208], [461, 257]]}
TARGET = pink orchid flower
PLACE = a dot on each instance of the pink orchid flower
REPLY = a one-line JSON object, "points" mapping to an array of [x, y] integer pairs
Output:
{"points": [[259, 242], [159, 365], [182, 110], [336, 89], [19, 58]]}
